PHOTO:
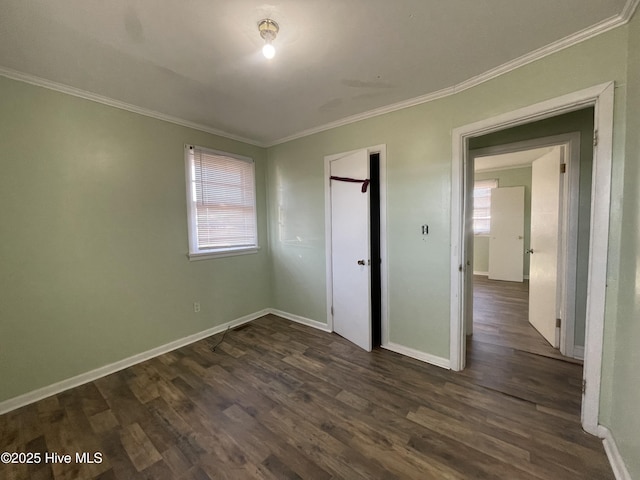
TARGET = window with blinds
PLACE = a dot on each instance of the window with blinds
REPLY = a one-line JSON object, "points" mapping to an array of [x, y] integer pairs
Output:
{"points": [[482, 205], [221, 195]]}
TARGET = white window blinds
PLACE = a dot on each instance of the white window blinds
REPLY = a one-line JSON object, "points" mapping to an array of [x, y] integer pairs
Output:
{"points": [[482, 205], [222, 201]]}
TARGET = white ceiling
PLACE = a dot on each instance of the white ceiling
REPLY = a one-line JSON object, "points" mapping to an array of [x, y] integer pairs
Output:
{"points": [[200, 61], [503, 161]]}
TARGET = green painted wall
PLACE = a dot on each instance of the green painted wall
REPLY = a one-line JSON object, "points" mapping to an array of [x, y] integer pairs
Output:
{"points": [[512, 177], [94, 232], [418, 143], [481, 254], [625, 397], [93, 236]]}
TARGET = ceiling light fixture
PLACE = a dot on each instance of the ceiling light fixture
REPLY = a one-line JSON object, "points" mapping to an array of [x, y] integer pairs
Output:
{"points": [[268, 30]]}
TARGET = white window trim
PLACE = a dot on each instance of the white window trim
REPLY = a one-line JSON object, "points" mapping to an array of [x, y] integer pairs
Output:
{"points": [[194, 253], [219, 253]]}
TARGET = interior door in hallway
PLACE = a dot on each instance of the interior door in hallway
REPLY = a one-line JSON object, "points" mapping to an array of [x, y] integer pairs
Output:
{"points": [[350, 249], [506, 242], [546, 195]]}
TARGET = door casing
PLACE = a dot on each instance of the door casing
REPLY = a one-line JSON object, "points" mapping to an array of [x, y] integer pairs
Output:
{"points": [[601, 98]]}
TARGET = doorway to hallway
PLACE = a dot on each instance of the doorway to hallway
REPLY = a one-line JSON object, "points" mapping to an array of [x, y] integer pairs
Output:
{"points": [[600, 97]]}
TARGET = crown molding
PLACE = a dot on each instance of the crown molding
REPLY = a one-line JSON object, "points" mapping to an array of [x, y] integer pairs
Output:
{"points": [[542, 52], [94, 97], [629, 9], [627, 13], [578, 37], [429, 97]]}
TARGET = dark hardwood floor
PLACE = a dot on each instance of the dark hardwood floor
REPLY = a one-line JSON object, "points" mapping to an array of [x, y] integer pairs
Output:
{"points": [[501, 317], [507, 354], [281, 400]]}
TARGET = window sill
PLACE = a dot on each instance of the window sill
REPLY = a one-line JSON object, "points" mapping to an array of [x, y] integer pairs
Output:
{"points": [[228, 252]]}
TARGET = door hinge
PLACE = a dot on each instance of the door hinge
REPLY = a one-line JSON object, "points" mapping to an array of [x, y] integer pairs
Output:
{"points": [[563, 168], [558, 322], [459, 268], [332, 310], [584, 386], [595, 138]]}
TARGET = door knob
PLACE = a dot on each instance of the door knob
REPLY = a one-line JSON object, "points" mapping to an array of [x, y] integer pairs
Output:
{"points": [[360, 262], [530, 251]]}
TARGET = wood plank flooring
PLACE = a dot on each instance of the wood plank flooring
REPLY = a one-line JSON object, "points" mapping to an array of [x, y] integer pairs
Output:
{"points": [[280, 400], [501, 317], [507, 354]]}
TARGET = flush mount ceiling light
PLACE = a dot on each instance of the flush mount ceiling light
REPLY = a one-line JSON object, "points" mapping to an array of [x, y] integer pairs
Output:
{"points": [[268, 30]]}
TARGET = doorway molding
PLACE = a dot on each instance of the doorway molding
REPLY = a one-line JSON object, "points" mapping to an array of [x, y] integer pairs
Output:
{"points": [[384, 269], [601, 98]]}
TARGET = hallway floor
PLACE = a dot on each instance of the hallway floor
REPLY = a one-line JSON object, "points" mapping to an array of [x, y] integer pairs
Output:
{"points": [[507, 354]]}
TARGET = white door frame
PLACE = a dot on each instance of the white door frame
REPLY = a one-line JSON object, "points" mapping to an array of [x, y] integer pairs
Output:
{"points": [[384, 292], [601, 98], [569, 224]]}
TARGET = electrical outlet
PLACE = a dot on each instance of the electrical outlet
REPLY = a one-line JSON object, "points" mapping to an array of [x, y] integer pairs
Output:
{"points": [[196, 307]]}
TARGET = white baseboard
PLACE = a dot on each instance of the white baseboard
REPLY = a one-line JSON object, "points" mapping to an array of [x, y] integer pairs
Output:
{"points": [[418, 355], [394, 347], [55, 388], [486, 274], [298, 319], [578, 352], [90, 376], [615, 459]]}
